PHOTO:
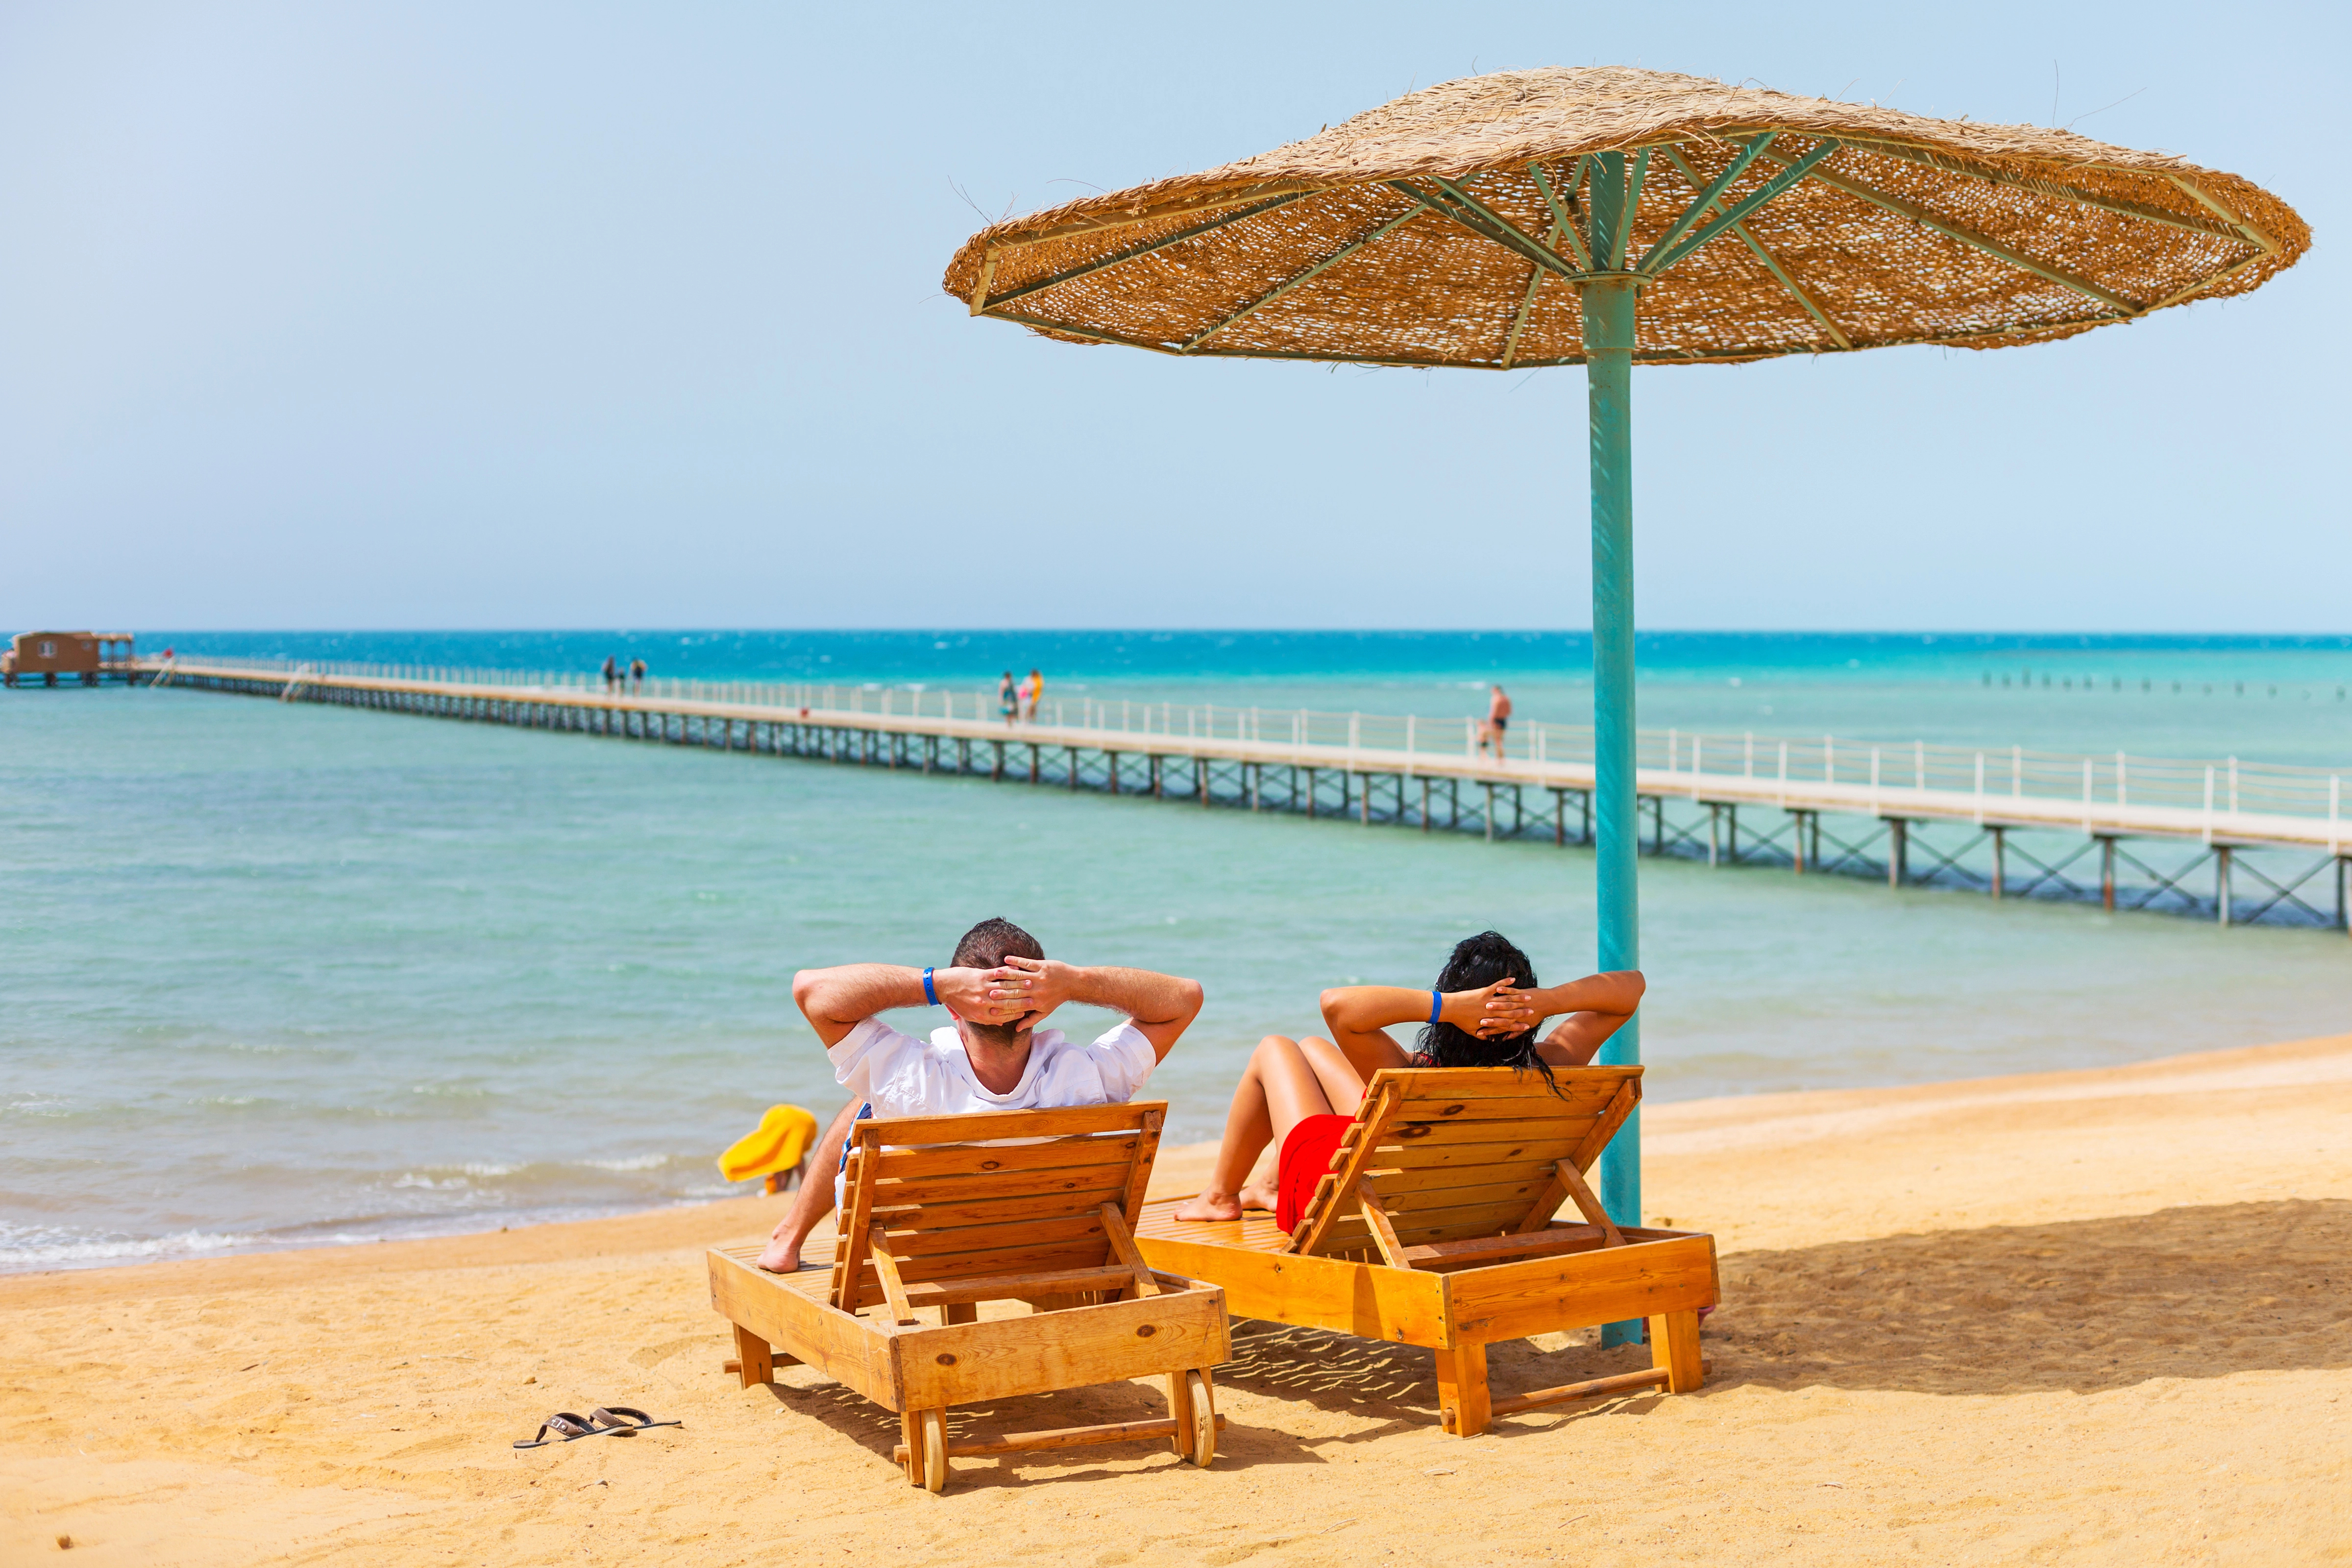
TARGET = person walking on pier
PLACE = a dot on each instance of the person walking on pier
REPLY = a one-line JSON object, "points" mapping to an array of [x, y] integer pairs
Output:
{"points": [[1033, 690], [636, 674], [1499, 721], [612, 674], [997, 989], [1008, 698]]}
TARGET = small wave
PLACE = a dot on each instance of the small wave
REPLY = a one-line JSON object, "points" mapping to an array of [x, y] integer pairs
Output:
{"points": [[636, 1162], [23, 1248]]}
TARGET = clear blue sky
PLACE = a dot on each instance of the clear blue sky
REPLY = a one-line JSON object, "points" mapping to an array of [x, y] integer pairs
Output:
{"points": [[533, 315]]}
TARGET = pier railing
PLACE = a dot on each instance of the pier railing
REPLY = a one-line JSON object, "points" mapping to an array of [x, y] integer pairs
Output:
{"points": [[2214, 784]]}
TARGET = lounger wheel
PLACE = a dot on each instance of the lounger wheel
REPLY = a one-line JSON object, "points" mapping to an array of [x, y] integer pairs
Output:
{"points": [[1201, 1446], [935, 1450]]}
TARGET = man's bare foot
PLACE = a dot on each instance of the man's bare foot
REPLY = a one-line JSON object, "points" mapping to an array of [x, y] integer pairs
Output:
{"points": [[784, 1253], [1209, 1206], [1256, 1197]]}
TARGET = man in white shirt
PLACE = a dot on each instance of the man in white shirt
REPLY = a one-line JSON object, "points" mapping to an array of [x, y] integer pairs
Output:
{"points": [[998, 988]]}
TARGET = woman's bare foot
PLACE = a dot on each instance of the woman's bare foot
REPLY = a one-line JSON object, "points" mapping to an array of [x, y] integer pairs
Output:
{"points": [[1210, 1206], [1260, 1195]]}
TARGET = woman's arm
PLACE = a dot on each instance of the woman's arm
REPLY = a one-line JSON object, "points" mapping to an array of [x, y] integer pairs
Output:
{"points": [[1358, 1017], [1597, 1007]]}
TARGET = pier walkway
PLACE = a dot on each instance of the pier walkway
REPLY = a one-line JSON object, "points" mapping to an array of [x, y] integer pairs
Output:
{"points": [[2235, 842]]}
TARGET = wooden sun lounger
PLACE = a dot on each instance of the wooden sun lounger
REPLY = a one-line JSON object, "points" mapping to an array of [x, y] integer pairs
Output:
{"points": [[1434, 1227], [937, 1218]]}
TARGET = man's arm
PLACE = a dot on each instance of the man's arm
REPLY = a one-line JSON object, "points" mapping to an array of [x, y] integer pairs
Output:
{"points": [[1597, 1007], [836, 1001], [1161, 1006]]}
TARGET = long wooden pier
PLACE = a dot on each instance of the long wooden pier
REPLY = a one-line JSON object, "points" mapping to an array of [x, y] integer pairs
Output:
{"points": [[2235, 842]]}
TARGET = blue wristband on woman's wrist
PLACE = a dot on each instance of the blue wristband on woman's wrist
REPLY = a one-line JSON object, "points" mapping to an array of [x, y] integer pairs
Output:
{"points": [[1436, 1005], [929, 994]]}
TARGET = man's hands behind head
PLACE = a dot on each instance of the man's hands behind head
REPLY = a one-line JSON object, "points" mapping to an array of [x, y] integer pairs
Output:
{"points": [[1032, 987]]}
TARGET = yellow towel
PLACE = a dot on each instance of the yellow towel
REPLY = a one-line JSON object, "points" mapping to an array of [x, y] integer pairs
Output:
{"points": [[784, 1135]]}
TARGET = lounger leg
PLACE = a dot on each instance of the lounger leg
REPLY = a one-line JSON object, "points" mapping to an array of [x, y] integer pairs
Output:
{"points": [[1180, 1410], [1462, 1400], [1673, 1346], [754, 1361], [911, 1444]]}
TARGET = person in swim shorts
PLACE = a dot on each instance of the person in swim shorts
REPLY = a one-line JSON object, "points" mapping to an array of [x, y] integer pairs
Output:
{"points": [[1296, 1097], [997, 989]]}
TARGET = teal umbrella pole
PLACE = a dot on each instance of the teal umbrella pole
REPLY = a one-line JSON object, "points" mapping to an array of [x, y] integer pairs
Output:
{"points": [[1609, 305]]}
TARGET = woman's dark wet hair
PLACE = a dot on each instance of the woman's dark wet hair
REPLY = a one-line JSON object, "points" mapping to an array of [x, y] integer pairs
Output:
{"points": [[1478, 961]]}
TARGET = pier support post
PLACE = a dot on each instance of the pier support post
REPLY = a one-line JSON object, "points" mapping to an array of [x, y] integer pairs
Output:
{"points": [[1797, 841], [1731, 836], [1898, 851], [2107, 873], [1490, 811], [2221, 883], [1558, 817], [1713, 833], [1425, 803], [1999, 861], [1364, 801], [1034, 761]]}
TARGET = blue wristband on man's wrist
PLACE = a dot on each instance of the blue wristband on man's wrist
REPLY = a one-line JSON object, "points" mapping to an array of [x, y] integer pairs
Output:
{"points": [[930, 996], [1436, 1005]]}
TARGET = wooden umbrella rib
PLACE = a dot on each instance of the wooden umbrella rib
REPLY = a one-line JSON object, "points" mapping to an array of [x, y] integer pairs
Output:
{"points": [[1190, 231], [1562, 222], [1287, 284], [1796, 290], [1152, 212], [1968, 236], [1708, 195], [1659, 260], [1788, 281], [1945, 162], [1528, 302], [1484, 222], [2244, 227]]}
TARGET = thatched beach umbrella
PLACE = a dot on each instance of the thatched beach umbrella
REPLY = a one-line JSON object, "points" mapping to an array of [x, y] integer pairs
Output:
{"points": [[1608, 217]]}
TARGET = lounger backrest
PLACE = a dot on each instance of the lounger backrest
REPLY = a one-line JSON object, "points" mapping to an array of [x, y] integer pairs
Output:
{"points": [[1454, 1153], [954, 1202]]}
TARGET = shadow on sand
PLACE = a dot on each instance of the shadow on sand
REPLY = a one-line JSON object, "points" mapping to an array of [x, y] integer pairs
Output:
{"points": [[2084, 1306]]}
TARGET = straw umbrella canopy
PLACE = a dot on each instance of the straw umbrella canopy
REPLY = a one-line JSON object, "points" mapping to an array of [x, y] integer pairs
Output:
{"points": [[1611, 216]]}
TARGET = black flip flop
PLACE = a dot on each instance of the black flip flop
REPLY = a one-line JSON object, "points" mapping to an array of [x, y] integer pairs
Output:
{"points": [[572, 1428], [607, 1418]]}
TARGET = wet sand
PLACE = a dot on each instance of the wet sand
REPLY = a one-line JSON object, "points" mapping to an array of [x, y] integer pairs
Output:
{"points": [[2090, 1317]]}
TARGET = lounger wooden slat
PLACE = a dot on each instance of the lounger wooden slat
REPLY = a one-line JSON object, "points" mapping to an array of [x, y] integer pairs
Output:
{"points": [[941, 1213], [1435, 1225]]}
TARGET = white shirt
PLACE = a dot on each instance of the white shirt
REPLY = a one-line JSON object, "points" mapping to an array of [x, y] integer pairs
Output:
{"points": [[899, 1074]]}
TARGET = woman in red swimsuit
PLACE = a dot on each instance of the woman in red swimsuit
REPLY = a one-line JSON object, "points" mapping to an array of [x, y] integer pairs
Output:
{"points": [[1298, 1096]]}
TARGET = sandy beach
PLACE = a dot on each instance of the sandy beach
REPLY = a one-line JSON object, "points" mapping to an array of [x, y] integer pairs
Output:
{"points": [[2090, 1317]]}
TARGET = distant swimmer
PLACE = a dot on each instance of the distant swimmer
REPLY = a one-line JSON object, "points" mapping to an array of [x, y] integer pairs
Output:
{"points": [[997, 988], [1498, 721]]}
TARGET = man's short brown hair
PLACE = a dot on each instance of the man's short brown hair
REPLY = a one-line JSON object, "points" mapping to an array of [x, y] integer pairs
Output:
{"points": [[986, 946]]}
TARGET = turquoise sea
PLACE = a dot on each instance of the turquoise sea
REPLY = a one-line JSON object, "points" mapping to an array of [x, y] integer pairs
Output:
{"points": [[280, 974]]}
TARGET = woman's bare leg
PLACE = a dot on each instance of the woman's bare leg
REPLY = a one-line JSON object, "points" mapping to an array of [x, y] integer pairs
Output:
{"points": [[1343, 1090], [1278, 1090]]}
